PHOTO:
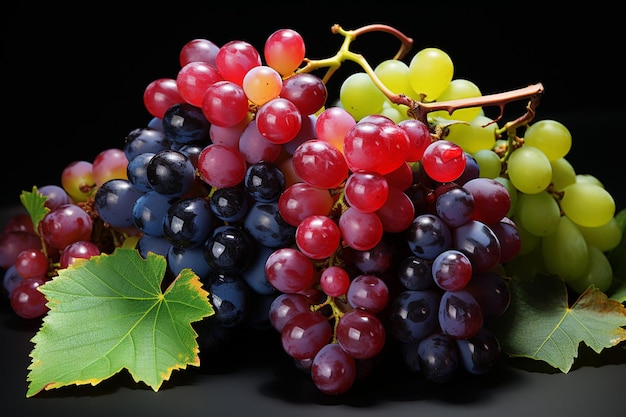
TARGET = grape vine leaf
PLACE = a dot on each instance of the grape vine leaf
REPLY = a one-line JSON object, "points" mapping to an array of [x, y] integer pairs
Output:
{"points": [[34, 203], [539, 323], [109, 313]]}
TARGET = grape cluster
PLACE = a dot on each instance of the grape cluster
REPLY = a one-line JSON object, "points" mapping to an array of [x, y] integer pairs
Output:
{"points": [[566, 218], [342, 227]]}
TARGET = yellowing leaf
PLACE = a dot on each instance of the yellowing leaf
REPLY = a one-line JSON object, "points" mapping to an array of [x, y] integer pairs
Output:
{"points": [[539, 324], [109, 313]]}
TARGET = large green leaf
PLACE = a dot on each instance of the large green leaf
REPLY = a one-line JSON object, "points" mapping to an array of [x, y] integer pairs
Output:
{"points": [[539, 324], [109, 313]]}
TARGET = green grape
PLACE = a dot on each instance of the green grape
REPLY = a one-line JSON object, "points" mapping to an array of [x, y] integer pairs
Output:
{"points": [[458, 89], [606, 236], [588, 178], [529, 169], [563, 174], [587, 204], [565, 251], [513, 193], [617, 257], [551, 136], [393, 111], [529, 241], [598, 273], [539, 213], [478, 134], [527, 264], [489, 163], [430, 72], [395, 74], [359, 96]]}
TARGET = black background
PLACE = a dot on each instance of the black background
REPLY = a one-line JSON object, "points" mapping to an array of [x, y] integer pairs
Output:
{"points": [[74, 76]]}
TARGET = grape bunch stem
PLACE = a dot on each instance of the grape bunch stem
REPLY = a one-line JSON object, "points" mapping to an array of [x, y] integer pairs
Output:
{"points": [[418, 109]]}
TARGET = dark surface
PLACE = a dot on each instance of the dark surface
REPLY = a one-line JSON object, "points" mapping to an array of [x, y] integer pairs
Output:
{"points": [[256, 378], [72, 86]]}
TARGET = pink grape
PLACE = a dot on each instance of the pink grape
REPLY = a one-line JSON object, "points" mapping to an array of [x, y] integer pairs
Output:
{"points": [[419, 138], [305, 334], [289, 270], [332, 125], [225, 103], [31, 263], [443, 161], [256, 148], [318, 236], [335, 281], [66, 224], [27, 301], [359, 230], [366, 191], [228, 135], [306, 132], [202, 50], [109, 164], [400, 178], [333, 371], [221, 166], [368, 292], [320, 164], [365, 147], [160, 95], [194, 78], [234, 59], [301, 200], [279, 120], [83, 249], [284, 307], [399, 145], [284, 50], [361, 334], [398, 212]]}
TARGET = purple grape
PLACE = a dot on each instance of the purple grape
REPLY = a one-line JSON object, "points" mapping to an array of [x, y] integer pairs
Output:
{"points": [[114, 202], [184, 123], [476, 240], [415, 273], [492, 292], [455, 206], [460, 315], [171, 173], [188, 222], [228, 249], [438, 357], [480, 353], [428, 236], [414, 314]]}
